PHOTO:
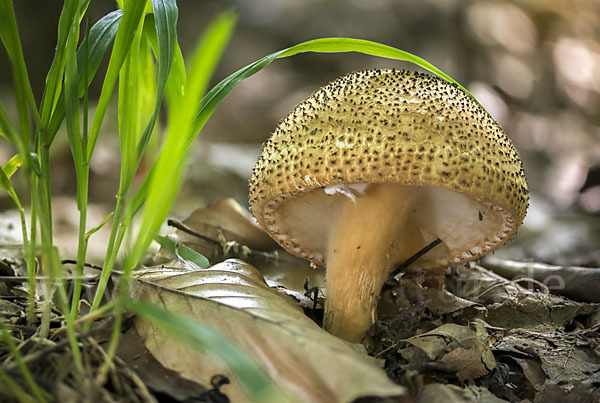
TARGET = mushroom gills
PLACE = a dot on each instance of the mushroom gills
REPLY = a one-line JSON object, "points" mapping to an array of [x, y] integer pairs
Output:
{"points": [[465, 225]]}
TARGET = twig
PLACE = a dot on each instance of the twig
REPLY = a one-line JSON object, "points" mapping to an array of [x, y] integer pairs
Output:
{"points": [[226, 246], [90, 265], [412, 259]]}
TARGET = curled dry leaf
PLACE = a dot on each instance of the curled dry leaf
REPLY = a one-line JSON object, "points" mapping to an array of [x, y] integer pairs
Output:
{"points": [[564, 358], [510, 305], [308, 363], [577, 283], [466, 349], [439, 393]]}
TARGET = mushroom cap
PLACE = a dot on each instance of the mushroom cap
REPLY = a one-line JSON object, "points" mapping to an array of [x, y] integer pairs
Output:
{"points": [[391, 127]]}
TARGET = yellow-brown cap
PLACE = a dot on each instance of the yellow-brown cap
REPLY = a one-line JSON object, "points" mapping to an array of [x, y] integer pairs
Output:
{"points": [[390, 126]]}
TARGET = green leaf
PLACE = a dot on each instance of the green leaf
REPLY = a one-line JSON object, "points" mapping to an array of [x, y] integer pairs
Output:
{"points": [[99, 226], [323, 45], [253, 379], [101, 36], [132, 16], [10, 38], [12, 165], [165, 22], [182, 251], [207, 54], [5, 183], [54, 78]]}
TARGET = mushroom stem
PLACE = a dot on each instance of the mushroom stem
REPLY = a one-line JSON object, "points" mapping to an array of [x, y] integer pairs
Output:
{"points": [[368, 238]]}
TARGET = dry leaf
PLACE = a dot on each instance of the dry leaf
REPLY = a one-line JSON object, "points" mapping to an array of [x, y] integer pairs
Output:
{"points": [[308, 363], [438, 393], [510, 305], [466, 350]]}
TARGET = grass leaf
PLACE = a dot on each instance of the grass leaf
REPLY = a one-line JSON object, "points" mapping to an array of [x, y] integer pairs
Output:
{"points": [[12, 165], [181, 106], [182, 251], [10, 38], [132, 16], [165, 22], [101, 36]]}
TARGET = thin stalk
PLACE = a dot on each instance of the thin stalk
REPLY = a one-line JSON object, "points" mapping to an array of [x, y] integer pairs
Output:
{"points": [[114, 341], [45, 219], [111, 253], [30, 257], [82, 195], [57, 279]]}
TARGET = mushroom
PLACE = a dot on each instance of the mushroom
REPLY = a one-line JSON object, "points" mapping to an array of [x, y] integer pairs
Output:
{"points": [[375, 166]]}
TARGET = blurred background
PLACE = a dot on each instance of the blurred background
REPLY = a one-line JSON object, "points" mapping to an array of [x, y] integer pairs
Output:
{"points": [[534, 64]]}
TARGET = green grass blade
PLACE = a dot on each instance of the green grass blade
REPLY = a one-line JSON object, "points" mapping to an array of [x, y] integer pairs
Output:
{"points": [[12, 165], [5, 183], [54, 78], [101, 36], [132, 16], [251, 377], [165, 23], [182, 251], [9, 133], [207, 55], [128, 109], [10, 38], [72, 98]]}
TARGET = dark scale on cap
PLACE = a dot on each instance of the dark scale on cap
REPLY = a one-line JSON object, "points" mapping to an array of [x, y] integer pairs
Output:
{"points": [[408, 117]]}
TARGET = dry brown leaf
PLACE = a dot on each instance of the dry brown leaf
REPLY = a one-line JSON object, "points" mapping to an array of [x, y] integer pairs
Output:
{"points": [[510, 305], [308, 363], [438, 393], [466, 350]]}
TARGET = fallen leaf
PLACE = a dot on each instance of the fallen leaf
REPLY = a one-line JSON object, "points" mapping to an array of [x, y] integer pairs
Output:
{"points": [[232, 297], [439, 393], [563, 357], [466, 350], [510, 305], [576, 283]]}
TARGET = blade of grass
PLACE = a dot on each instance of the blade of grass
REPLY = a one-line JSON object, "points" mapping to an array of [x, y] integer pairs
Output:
{"points": [[55, 74], [97, 42], [165, 20], [10, 38], [9, 133], [77, 146], [182, 251], [252, 378], [12, 165], [132, 15]]}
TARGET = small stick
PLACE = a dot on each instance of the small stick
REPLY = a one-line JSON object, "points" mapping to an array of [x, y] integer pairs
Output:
{"points": [[413, 258], [90, 265], [267, 256]]}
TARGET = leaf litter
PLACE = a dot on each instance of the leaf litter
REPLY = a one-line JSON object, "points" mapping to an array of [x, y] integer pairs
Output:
{"points": [[482, 338]]}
